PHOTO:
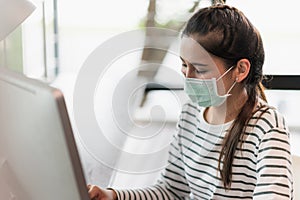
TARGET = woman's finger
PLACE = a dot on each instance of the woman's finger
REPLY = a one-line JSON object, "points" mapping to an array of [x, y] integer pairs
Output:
{"points": [[93, 192]]}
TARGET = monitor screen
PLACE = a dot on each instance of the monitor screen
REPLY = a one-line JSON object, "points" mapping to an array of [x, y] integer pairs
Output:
{"points": [[38, 154]]}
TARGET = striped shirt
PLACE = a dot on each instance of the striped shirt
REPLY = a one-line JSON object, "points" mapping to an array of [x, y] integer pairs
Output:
{"points": [[261, 167]]}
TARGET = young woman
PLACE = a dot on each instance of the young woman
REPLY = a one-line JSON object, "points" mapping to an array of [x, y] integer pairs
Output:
{"points": [[230, 143]]}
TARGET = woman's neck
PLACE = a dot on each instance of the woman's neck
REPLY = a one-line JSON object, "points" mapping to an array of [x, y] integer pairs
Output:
{"points": [[227, 111]]}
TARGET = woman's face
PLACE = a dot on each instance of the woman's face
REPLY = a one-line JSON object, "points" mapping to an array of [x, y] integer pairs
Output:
{"points": [[199, 64]]}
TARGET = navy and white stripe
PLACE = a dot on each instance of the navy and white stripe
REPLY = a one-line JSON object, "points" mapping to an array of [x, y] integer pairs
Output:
{"points": [[261, 168]]}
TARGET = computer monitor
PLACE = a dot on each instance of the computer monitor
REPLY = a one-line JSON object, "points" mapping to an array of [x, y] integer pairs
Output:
{"points": [[38, 154]]}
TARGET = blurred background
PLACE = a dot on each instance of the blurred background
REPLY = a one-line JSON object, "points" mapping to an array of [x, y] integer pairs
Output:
{"points": [[55, 41]]}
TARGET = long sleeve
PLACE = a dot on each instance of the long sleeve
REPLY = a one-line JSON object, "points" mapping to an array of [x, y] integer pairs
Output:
{"points": [[274, 171], [172, 185]]}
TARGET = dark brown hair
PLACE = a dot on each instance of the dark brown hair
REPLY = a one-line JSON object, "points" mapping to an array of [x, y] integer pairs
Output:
{"points": [[225, 32]]}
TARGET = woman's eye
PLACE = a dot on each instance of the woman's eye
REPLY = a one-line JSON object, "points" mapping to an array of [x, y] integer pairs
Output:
{"points": [[184, 65], [200, 71]]}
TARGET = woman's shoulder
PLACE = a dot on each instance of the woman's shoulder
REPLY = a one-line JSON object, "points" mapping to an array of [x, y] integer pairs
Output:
{"points": [[192, 108], [190, 112], [268, 117]]}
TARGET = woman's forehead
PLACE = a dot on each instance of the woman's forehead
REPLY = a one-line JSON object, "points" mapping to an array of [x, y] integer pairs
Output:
{"points": [[191, 51]]}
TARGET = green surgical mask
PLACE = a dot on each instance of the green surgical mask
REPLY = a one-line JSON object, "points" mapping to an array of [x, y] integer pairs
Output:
{"points": [[204, 92]]}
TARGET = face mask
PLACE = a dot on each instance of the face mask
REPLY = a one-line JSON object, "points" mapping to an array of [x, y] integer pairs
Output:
{"points": [[204, 92]]}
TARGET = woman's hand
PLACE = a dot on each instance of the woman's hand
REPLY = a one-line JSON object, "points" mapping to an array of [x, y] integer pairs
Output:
{"points": [[97, 193]]}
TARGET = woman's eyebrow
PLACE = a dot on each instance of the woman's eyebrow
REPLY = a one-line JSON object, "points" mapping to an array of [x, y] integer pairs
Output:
{"points": [[194, 64]]}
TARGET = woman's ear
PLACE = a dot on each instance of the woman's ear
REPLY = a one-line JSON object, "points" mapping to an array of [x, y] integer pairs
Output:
{"points": [[242, 69]]}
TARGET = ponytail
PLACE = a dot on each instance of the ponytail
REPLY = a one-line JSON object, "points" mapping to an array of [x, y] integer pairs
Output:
{"points": [[233, 137], [260, 89]]}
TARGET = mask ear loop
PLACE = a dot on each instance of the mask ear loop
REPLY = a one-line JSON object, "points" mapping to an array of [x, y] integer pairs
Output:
{"points": [[232, 86], [225, 73]]}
